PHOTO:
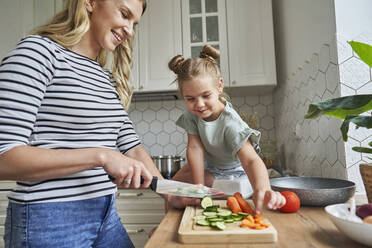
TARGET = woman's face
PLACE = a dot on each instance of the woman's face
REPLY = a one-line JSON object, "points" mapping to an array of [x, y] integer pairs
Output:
{"points": [[201, 95], [112, 21]]}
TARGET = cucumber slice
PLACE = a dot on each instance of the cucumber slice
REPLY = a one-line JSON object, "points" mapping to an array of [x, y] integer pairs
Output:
{"points": [[210, 214], [229, 221], [211, 208], [202, 223], [215, 219], [212, 224], [199, 217], [206, 202], [243, 214], [220, 225], [237, 217], [224, 213]]}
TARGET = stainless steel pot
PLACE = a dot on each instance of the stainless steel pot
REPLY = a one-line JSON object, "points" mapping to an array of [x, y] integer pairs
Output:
{"points": [[168, 165]]}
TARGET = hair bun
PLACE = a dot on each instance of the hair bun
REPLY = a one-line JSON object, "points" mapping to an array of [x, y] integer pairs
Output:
{"points": [[176, 64], [210, 53]]}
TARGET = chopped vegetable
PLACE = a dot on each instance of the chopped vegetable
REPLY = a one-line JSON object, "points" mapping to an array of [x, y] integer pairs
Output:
{"points": [[206, 202], [243, 204], [220, 225], [202, 222], [256, 222], [233, 204]]}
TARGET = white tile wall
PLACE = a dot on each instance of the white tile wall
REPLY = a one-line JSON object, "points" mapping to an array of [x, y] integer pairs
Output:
{"points": [[154, 122], [315, 147]]}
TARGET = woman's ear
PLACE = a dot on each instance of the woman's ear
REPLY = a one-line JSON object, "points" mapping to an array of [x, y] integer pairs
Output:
{"points": [[220, 85], [89, 5]]}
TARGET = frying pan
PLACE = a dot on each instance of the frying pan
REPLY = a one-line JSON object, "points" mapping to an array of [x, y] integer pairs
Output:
{"points": [[316, 191]]}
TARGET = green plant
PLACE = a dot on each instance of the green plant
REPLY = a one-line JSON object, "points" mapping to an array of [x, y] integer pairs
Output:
{"points": [[349, 108]]}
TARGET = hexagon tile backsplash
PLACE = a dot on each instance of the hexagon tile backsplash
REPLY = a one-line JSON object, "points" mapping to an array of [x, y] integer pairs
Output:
{"points": [[315, 147], [155, 122]]}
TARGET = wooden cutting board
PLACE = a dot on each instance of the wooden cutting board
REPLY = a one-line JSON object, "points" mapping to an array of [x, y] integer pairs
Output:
{"points": [[191, 233]]}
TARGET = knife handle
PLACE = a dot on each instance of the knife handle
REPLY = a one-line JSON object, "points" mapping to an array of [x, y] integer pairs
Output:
{"points": [[153, 184]]}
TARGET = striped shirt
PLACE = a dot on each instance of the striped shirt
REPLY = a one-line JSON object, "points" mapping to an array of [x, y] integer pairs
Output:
{"points": [[51, 97]]}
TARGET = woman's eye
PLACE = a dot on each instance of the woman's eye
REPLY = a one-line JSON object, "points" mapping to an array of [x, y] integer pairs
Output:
{"points": [[124, 14]]}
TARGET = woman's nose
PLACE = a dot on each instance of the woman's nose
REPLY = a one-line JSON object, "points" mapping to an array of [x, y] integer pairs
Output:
{"points": [[128, 30]]}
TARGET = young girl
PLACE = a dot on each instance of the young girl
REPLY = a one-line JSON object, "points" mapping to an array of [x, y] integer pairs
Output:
{"points": [[220, 143]]}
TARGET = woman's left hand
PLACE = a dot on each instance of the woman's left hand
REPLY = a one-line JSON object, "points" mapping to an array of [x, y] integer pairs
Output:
{"points": [[272, 199]]}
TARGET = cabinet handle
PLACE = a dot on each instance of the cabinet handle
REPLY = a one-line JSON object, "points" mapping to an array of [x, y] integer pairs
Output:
{"points": [[128, 194], [135, 231], [233, 82], [141, 87]]}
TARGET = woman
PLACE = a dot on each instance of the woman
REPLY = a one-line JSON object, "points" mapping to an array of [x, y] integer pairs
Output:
{"points": [[63, 128]]}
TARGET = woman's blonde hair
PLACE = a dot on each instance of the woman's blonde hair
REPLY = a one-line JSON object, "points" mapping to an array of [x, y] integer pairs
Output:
{"points": [[69, 26]]}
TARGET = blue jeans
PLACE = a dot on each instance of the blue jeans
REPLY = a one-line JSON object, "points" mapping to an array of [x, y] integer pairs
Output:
{"points": [[74, 224]]}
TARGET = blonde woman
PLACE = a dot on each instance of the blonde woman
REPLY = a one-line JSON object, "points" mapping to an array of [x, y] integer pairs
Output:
{"points": [[64, 128]]}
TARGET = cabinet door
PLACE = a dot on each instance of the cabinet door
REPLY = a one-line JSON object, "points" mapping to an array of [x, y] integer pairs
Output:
{"points": [[251, 43], [204, 22], [159, 39]]}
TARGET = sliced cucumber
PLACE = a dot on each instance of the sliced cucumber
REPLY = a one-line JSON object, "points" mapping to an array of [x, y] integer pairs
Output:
{"points": [[229, 221], [199, 217], [212, 224], [206, 202], [211, 208], [202, 222], [210, 214], [224, 213], [237, 218], [215, 219], [243, 214], [220, 225]]}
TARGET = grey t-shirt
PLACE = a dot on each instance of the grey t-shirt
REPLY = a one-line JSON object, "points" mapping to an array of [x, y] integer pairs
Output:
{"points": [[221, 138]]}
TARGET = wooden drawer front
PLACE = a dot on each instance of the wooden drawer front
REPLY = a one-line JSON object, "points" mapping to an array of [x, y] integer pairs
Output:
{"points": [[141, 217], [139, 233], [3, 207], [7, 184], [139, 194], [140, 204], [4, 195], [2, 219]]}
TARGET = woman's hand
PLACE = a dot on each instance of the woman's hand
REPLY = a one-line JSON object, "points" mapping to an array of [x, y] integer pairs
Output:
{"points": [[272, 199], [126, 171]]}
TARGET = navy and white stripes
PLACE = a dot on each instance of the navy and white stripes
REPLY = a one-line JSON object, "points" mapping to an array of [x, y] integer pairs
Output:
{"points": [[53, 98]]}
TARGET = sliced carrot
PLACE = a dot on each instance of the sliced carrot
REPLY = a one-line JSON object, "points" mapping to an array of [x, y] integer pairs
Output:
{"points": [[250, 218], [243, 204], [233, 204]]}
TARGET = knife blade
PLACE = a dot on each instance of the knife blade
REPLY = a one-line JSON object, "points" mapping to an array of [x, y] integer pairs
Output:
{"points": [[171, 187]]}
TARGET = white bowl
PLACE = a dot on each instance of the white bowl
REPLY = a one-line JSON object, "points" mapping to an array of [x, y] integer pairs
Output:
{"points": [[348, 225]]}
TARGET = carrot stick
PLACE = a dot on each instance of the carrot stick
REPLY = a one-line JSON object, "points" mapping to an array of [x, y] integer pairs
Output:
{"points": [[233, 204], [243, 204]]}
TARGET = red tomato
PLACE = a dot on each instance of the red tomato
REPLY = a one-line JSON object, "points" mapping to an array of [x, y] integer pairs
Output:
{"points": [[292, 202]]}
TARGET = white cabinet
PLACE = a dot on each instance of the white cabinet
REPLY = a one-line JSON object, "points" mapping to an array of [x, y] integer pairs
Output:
{"points": [[18, 18], [140, 211], [244, 35], [251, 43], [159, 39]]}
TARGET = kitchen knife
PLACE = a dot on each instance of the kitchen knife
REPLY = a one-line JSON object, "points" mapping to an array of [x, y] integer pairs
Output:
{"points": [[171, 187]]}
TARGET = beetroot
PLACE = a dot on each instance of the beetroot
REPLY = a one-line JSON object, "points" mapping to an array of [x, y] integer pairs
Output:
{"points": [[363, 211]]}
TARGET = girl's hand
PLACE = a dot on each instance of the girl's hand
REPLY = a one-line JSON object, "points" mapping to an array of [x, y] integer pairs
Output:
{"points": [[126, 171], [272, 199]]}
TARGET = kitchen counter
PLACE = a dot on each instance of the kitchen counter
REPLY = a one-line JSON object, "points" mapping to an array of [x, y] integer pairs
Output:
{"points": [[309, 227]]}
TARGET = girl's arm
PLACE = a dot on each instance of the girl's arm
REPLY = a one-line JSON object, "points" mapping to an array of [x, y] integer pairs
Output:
{"points": [[259, 178], [195, 158]]}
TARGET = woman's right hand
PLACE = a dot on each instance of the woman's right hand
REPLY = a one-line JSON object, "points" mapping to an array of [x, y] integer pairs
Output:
{"points": [[126, 171]]}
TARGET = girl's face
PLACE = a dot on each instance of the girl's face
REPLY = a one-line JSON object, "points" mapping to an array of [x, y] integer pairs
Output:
{"points": [[202, 97], [112, 21]]}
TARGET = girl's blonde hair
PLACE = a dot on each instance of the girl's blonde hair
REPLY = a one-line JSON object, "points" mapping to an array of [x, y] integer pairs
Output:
{"points": [[69, 26], [205, 64]]}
